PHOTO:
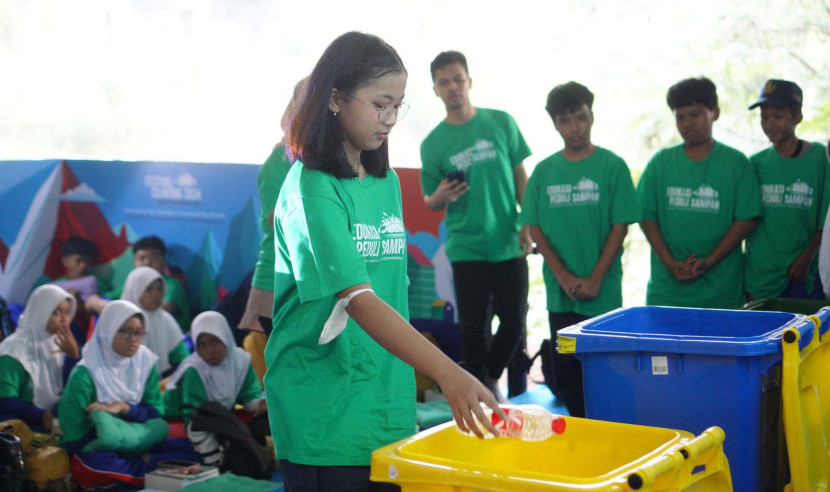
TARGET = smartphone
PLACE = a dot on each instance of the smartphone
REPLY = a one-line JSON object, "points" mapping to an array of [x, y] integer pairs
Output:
{"points": [[456, 176]]}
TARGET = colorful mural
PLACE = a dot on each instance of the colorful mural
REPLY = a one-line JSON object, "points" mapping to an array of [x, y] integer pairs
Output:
{"points": [[207, 214]]}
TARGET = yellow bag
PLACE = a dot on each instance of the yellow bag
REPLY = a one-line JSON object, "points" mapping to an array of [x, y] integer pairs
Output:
{"points": [[44, 463], [47, 464]]}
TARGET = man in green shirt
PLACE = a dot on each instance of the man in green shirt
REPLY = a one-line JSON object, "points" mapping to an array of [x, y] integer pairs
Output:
{"points": [[781, 251], [473, 168], [578, 204], [700, 200]]}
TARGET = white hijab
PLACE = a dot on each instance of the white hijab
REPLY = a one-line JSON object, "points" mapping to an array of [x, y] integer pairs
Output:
{"points": [[163, 332], [223, 382], [36, 349], [117, 378]]}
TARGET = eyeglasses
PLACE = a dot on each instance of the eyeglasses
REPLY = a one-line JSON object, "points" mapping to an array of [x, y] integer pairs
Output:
{"points": [[386, 112], [126, 334]]}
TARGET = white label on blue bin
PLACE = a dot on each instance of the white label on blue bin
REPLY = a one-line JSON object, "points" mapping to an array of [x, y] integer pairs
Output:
{"points": [[659, 365]]}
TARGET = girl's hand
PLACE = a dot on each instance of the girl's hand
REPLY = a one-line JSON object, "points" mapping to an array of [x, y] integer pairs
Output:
{"points": [[66, 343], [48, 418], [115, 408], [465, 394]]}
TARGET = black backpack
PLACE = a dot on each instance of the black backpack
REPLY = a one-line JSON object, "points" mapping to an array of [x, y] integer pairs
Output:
{"points": [[12, 464], [243, 455]]}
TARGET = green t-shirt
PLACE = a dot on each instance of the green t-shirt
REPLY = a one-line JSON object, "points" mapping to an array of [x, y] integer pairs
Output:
{"points": [[190, 390], [795, 194], [80, 392], [482, 223], [176, 293], [576, 204], [178, 354], [694, 204], [15, 381], [269, 181], [334, 404]]}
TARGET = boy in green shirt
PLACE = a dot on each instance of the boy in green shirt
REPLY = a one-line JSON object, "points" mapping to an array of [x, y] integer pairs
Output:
{"points": [[150, 251], [699, 199], [780, 252], [77, 257], [578, 205], [473, 167]]}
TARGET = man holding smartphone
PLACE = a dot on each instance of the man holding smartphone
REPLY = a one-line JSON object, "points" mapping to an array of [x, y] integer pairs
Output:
{"points": [[485, 244]]}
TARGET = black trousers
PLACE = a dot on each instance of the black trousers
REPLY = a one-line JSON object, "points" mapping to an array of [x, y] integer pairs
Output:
{"points": [[475, 283], [310, 478], [567, 370]]}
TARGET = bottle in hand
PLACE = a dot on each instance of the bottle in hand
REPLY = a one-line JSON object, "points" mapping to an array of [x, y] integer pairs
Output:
{"points": [[525, 422]]}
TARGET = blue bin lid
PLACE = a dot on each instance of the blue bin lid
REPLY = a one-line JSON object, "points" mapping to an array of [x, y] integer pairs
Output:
{"points": [[682, 330]]}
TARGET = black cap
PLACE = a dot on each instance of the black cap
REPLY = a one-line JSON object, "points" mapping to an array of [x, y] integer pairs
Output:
{"points": [[779, 93]]}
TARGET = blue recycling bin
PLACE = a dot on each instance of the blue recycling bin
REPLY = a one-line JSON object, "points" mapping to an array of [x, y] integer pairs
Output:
{"points": [[690, 369]]}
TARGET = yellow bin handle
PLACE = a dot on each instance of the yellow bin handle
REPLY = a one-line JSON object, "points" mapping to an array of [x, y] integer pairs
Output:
{"points": [[674, 459]]}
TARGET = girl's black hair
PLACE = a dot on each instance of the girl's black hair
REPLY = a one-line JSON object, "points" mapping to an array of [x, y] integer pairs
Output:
{"points": [[314, 137]]}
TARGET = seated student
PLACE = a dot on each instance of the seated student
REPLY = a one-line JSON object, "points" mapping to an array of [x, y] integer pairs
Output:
{"points": [[218, 371], [150, 251], [116, 383], [77, 256], [36, 360], [795, 194], [145, 288]]}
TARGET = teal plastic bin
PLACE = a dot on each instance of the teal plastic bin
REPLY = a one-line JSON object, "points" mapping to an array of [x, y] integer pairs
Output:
{"points": [[690, 369]]}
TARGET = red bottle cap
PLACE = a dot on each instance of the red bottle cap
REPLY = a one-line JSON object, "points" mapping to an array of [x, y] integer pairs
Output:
{"points": [[557, 425]]}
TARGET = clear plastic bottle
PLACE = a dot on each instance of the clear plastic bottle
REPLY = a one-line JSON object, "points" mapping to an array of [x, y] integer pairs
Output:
{"points": [[525, 422]]}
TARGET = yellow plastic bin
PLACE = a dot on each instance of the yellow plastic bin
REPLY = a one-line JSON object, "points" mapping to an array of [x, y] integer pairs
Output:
{"points": [[591, 455], [805, 391]]}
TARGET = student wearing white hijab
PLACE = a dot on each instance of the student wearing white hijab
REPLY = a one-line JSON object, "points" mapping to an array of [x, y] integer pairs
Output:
{"points": [[218, 371], [37, 358], [145, 288], [117, 375]]}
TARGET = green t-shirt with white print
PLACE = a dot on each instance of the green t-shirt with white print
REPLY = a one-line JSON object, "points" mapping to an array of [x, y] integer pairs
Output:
{"points": [[576, 203], [482, 224], [333, 404], [795, 194], [695, 204]]}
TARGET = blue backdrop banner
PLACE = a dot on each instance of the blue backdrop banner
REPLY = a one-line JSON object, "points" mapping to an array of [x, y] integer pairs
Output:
{"points": [[207, 214]]}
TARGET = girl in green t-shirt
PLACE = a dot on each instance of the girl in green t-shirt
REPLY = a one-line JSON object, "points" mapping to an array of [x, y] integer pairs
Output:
{"points": [[338, 388], [218, 371], [111, 410], [36, 359], [145, 287], [257, 315]]}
